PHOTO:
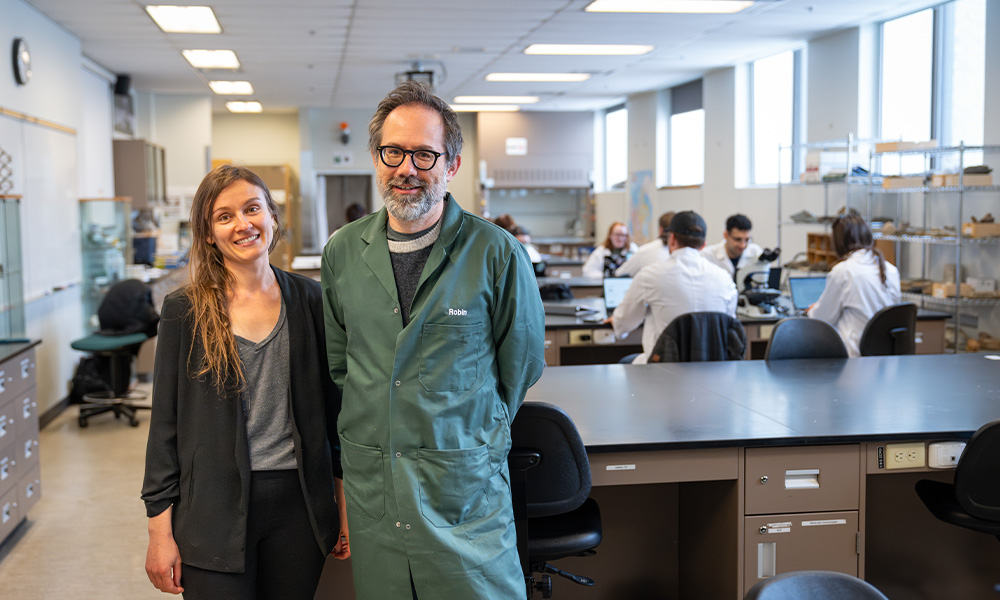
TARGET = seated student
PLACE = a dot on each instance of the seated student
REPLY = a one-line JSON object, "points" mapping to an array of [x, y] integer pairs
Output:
{"points": [[684, 282], [611, 254], [858, 286], [650, 252], [735, 251], [524, 237]]}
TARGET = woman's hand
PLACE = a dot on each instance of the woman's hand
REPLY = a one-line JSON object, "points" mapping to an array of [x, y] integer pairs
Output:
{"points": [[342, 549], [163, 559]]}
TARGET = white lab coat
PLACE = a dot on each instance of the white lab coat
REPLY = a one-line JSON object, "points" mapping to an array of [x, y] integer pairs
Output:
{"points": [[716, 253], [854, 293], [594, 266], [647, 254], [684, 282]]}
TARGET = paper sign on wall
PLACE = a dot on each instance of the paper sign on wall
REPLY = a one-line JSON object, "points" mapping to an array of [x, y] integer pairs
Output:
{"points": [[517, 146]]}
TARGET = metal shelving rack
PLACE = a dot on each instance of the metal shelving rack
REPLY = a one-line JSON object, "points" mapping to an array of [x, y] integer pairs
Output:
{"points": [[958, 240], [853, 150]]}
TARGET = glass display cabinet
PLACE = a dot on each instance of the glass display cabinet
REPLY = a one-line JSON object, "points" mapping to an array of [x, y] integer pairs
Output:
{"points": [[106, 237], [11, 274]]}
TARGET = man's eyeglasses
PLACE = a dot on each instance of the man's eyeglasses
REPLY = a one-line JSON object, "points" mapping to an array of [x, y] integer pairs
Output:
{"points": [[422, 159]]}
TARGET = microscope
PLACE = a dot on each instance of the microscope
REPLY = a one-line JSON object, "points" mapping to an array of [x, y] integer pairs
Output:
{"points": [[756, 299]]}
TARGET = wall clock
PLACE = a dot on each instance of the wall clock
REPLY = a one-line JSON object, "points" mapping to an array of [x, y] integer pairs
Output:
{"points": [[22, 61]]}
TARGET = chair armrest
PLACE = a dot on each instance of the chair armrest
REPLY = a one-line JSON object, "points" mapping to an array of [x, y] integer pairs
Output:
{"points": [[523, 459]]}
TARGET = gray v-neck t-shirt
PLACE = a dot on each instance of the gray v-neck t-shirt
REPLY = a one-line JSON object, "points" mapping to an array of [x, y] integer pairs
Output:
{"points": [[266, 399]]}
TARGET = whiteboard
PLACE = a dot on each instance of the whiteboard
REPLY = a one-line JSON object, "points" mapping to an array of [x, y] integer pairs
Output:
{"points": [[45, 172]]}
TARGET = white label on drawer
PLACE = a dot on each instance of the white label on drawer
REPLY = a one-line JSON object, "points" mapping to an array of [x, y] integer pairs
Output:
{"points": [[779, 527], [620, 468], [824, 522]]}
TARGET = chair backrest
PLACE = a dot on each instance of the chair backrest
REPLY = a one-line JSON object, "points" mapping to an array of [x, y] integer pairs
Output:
{"points": [[891, 331], [813, 585], [700, 336], [977, 487], [560, 483], [802, 337]]}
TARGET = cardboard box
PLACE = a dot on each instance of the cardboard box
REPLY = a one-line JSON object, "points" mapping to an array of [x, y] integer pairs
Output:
{"points": [[981, 230], [947, 290], [982, 284], [895, 146], [912, 181], [970, 179]]}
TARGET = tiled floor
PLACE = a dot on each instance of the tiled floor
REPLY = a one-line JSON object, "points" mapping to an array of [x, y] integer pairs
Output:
{"points": [[86, 537]]}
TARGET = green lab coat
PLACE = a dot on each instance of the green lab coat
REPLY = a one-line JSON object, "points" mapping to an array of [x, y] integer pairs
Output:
{"points": [[425, 421]]}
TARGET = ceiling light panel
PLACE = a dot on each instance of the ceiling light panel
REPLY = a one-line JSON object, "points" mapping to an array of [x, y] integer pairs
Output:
{"points": [[669, 6], [184, 19], [212, 59], [496, 99], [231, 88], [244, 107], [485, 107], [541, 77], [589, 49]]}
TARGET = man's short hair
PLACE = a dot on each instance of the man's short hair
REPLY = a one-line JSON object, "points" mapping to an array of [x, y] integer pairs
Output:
{"points": [[413, 92], [740, 222], [689, 229]]}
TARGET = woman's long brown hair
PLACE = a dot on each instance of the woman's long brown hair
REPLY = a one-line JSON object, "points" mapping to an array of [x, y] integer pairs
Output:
{"points": [[212, 283], [850, 233]]}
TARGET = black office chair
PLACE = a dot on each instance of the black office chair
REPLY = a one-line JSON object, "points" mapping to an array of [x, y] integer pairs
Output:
{"points": [[891, 331], [701, 336], [550, 483], [813, 585], [973, 501], [128, 318], [802, 337]]}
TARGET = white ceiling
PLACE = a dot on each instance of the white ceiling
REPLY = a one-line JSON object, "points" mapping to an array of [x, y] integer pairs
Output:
{"points": [[345, 53]]}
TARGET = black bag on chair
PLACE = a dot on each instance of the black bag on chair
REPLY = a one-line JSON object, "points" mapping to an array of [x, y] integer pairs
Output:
{"points": [[556, 291], [92, 375]]}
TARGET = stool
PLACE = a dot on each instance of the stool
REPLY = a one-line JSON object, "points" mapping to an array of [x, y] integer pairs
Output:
{"points": [[119, 349]]}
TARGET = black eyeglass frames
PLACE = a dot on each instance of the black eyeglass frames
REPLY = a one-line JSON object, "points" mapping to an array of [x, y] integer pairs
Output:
{"points": [[422, 159]]}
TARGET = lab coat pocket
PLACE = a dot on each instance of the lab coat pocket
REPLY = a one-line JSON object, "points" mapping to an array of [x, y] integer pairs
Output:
{"points": [[453, 484], [449, 356], [364, 486]]}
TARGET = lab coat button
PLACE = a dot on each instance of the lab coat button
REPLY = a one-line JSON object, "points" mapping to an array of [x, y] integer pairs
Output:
{"points": [[397, 383], [407, 525], [395, 310], [397, 523], [398, 454]]}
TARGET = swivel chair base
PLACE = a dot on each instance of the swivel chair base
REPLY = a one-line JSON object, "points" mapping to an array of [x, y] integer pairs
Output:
{"points": [[544, 582], [102, 402]]}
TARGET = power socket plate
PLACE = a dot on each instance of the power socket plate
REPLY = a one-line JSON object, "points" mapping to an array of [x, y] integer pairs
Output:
{"points": [[905, 456]]}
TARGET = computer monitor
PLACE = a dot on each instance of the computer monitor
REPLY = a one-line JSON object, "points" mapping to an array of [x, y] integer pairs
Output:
{"points": [[614, 291], [805, 291], [774, 278]]}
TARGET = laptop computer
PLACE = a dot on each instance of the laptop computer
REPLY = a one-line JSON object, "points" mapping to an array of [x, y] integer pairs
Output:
{"points": [[614, 291], [805, 291]]}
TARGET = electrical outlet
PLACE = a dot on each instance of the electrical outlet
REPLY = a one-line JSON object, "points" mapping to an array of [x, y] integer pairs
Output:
{"points": [[905, 456]]}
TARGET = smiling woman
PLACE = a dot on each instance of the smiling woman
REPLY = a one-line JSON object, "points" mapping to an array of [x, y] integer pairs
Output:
{"points": [[242, 400]]}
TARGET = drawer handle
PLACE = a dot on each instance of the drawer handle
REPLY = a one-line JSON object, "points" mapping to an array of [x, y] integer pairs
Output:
{"points": [[3, 387], [802, 479], [26, 412], [28, 449], [766, 559], [24, 368], [6, 512], [3, 426], [4, 472], [29, 490]]}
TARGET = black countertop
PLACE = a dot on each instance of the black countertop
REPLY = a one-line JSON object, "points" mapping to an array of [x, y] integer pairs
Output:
{"points": [[756, 403], [9, 349]]}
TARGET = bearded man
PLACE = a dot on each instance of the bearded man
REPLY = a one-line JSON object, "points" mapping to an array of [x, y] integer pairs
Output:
{"points": [[434, 331]]}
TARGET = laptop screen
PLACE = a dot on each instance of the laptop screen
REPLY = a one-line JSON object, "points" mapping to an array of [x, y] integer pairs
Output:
{"points": [[614, 291], [805, 290]]}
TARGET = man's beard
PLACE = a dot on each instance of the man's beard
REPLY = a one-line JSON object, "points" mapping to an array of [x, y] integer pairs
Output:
{"points": [[408, 208]]}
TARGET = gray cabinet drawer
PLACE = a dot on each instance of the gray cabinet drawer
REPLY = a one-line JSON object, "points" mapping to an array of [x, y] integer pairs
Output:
{"points": [[802, 479], [26, 412], [7, 421], [775, 544], [10, 514], [29, 489], [8, 467], [17, 374]]}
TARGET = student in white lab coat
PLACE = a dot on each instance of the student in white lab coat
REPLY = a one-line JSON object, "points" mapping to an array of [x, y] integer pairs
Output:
{"points": [[858, 286], [735, 251], [611, 254]]}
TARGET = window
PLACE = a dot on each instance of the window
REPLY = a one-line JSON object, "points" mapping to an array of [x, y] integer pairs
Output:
{"points": [[687, 148], [907, 69], [687, 135], [616, 147], [933, 81], [773, 103]]}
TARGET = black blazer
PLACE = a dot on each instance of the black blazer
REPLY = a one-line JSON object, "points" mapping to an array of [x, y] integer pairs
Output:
{"points": [[700, 336], [198, 457]]}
